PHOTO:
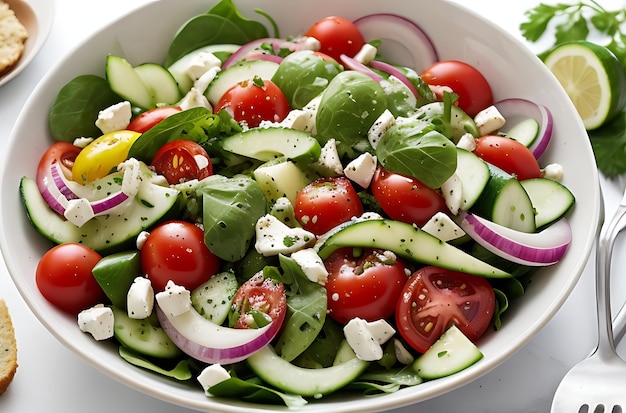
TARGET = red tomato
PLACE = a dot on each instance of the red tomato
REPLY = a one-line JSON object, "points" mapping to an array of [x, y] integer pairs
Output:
{"points": [[465, 80], [326, 203], [405, 198], [337, 36], [181, 161], [64, 277], [259, 297], [253, 101], [365, 286], [508, 155], [175, 250], [433, 299], [63, 152], [148, 119]]}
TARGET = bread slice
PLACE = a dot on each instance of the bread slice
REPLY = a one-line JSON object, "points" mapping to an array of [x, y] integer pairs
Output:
{"points": [[8, 348], [13, 36]]}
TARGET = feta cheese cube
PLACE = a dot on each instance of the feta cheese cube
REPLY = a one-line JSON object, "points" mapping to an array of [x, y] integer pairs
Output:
{"points": [[385, 121], [311, 264], [97, 321], [140, 299], [203, 82], [174, 300], [467, 142], [489, 120], [194, 99], [452, 192], [329, 162], [366, 338], [212, 375], [114, 118], [553, 171], [201, 63], [82, 142], [443, 227], [78, 211], [273, 237], [361, 169], [366, 54]]}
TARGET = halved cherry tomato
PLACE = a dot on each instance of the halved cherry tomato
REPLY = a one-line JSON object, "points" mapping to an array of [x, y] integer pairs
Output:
{"points": [[253, 101], [149, 118], [64, 277], [337, 36], [508, 155], [326, 203], [63, 152], [465, 80], [405, 198], [434, 298], [366, 284], [259, 301], [181, 161], [175, 250]]}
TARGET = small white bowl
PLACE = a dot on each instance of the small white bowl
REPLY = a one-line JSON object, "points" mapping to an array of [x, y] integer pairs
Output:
{"points": [[458, 33]]}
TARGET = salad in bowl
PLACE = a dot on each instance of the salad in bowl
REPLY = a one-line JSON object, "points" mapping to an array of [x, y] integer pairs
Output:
{"points": [[341, 212]]}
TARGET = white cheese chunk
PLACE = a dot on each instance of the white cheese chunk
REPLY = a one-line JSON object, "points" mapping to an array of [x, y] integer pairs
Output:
{"points": [[467, 142], [174, 300], [273, 237], [489, 120], [443, 227], [194, 99], [553, 171], [366, 54], [97, 321], [78, 211], [140, 299], [82, 142], [203, 82], [379, 127], [311, 264], [212, 375], [452, 192], [115, 117], [361, 169], [329, 162], [201, 63], [403, 355], [366, 338]]}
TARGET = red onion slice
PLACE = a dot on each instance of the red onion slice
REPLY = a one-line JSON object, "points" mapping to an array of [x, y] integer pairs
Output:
{"points": [[254, 48], [357, 66], [533, 249], [395, 72], [397, 33]]}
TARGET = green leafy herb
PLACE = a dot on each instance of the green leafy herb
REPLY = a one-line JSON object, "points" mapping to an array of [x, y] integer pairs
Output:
{"points": [[253, 391]]}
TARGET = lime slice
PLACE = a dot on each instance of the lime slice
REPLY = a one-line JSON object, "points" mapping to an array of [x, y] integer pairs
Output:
{"points": [[593, 79]]}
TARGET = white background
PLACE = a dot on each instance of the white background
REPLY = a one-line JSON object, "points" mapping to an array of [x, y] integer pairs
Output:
{"points": [[52, 379]]}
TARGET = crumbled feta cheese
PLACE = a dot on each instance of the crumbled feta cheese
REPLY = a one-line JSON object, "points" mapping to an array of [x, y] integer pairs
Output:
{"points": [[309, 43], [82, 142], [553, 171], [361, 169], [443, 227], [329, 162], [203, 82], [403, 355], [273, 237], [140, 299], [379, 127], [299, 119], [212, 375], [141, 239], [366, 338], [201, 63], [452, 192], [97, 321], [194, 99], [283, 210], [366, 54], [78, 211], [115, 117], [174, 300], [311, 264], [467, 142], [489, 120]]}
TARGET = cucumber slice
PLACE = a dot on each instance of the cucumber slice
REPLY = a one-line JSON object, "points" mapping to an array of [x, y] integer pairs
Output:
{"points": [[406, 241], [160, 83], [178, 69], [266, 144], [474, 175], [280, 179], [234, 74], [451, 353], [142, 337], [212, 299], [126, 82], [290, 378], [460, 121], [525, 131], [550, 199]]}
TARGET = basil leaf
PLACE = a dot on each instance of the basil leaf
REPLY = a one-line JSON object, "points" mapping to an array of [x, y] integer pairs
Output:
{"points": [[180, 372], [254, 392]]}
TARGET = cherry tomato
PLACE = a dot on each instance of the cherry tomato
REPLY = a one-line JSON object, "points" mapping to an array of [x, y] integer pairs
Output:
{"points": [[253, 101], [64, 277], [508, 155], [148, 119], [259, 301], [337, 36], [182, 160], [464, 80], [405, 198], [367, 285], [326, 203], [433, 299], [175, 250], [63, 152]]}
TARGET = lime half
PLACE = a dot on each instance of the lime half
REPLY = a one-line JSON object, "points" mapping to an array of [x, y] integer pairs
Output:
{"points": [[593, 79]]}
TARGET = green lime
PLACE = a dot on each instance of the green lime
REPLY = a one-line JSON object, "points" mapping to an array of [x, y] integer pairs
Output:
{"points": [[592, 77]]}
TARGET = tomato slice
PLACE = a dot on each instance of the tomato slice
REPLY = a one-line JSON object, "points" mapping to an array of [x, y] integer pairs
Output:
{"points": [[63, 152], [337, 36], [434, 298], [148, 119], [365, 285], [181, 161], [509, 155], [259, 301]]}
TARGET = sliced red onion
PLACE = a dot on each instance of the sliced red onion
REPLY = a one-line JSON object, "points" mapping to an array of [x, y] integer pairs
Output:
{"points": [[357, 66], [402, 31], [533, 249], [59, 180], [395, 72], [208, 342], [53, 200], [254, 47], [513, 107], [265, 56]]}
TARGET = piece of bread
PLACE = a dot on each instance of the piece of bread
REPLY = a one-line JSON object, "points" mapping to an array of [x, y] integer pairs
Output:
{"points": [[13, 36], [8, 348]]}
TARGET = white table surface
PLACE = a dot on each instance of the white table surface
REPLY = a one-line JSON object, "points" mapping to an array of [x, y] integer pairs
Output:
{"points": [[52, 379]]}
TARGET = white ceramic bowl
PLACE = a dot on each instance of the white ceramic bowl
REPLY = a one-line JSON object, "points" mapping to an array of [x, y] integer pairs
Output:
{"points": [[512, 70]]}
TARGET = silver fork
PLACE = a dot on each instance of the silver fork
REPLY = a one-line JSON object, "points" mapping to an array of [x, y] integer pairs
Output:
{"points": [[598, 383]]}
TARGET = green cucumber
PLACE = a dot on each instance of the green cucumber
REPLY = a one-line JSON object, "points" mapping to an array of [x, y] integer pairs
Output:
{"points": [[460, 122], [315, 382], [265, 144], [178, 69], [126, 82], [142, 337], [406, 241], [239, 72], [115, 274], [451, 353], [474, 175], [550, 199], [525, 131], [213, 298], [281, 178], [160, 83]]}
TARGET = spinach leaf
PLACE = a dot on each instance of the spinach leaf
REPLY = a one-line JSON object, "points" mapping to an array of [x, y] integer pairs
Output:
{"points": [[231, 207], [75, 109], [306, 311], [385, 381], [323, 350], [223, 24], [253, 391], [180, 372]]}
